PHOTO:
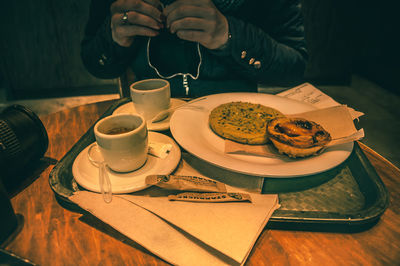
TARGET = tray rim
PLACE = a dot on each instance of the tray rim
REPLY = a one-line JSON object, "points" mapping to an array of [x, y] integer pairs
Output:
{"points": [[367, 215], [279, 217]]}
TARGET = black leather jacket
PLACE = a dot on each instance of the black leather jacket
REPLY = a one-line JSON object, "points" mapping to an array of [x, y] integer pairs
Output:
{"points": [[267, 46]]}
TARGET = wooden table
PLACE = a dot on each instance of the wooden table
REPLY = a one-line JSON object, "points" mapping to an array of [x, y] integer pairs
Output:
{"points": [[53, 235]]}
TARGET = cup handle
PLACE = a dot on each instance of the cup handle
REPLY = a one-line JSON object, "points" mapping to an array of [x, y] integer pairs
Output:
{"points": [[93, 149], [104, 179]]}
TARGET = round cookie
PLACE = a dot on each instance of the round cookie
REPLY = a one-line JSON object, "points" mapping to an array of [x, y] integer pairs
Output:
{"points": [[242, 122]]}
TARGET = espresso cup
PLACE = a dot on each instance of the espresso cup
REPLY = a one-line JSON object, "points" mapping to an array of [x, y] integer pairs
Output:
{"points": [[150, 97], [123, 141]]}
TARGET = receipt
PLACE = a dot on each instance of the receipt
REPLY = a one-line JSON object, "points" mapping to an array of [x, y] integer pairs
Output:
{"points": [[309, 94]]}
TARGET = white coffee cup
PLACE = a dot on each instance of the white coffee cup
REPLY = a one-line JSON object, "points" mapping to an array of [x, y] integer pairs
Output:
{"points": [[123, 141], [150, 97]]}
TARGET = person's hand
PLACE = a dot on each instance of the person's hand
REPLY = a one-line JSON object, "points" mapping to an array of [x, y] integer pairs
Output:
{"points": [[197, 21], [144, 18]]}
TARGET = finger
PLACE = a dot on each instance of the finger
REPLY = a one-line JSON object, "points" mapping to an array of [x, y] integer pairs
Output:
{"points": [[156, 3], [123, 5], [137, 19], [152, 9], [182, 3], [186, 11], [143, 20], [135, 30], [193, 35], [190, 23]]}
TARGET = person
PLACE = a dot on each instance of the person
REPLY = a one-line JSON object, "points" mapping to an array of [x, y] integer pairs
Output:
{"points": [[201, 46]]}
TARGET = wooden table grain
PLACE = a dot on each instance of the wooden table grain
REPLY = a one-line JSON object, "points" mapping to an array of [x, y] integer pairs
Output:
{"points": [[54, 235]]}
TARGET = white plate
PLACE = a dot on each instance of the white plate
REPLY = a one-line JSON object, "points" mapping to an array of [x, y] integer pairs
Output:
{"points": [[189, 127], [86, 174], [159, 126]]}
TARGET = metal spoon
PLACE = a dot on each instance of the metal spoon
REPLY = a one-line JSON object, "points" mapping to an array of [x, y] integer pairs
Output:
{"points": [[165, 113], [162, 115]]}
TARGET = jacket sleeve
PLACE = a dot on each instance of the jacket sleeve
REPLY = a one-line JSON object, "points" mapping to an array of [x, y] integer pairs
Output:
{"points": [[101, 56], [274, 51]]}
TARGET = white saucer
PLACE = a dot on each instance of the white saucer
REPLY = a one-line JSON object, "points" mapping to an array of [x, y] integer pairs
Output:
{"points": [[159, 126], [86, 174]]}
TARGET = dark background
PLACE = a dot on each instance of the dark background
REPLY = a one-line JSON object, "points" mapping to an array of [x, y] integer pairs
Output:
{"points": [[40, 45]]}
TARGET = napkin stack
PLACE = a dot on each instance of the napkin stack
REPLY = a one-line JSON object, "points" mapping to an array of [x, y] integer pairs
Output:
{"points": [[185, 233]]}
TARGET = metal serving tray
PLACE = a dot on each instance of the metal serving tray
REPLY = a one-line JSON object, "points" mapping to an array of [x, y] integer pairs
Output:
{"points": [[349, 197], [353, 197]]}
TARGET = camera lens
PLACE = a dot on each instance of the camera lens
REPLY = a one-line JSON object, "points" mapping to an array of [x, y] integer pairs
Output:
{"points": [[23, 140]]}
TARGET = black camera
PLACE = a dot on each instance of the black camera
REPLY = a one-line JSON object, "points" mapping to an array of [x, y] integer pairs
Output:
{"points": [[23, 141]]}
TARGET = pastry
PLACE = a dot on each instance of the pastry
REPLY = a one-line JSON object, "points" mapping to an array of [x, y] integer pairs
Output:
{"points": [[242, 122], [297, 137]]}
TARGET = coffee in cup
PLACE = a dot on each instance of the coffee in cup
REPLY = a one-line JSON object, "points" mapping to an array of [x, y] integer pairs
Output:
{"points": [[119, 130], [122, 140], [150, 97]]}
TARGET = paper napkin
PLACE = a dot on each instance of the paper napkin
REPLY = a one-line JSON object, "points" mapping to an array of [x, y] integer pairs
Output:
{"points": [[338, 121], [185, 233]]}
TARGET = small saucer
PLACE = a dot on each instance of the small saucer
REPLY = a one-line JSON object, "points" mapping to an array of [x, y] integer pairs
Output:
{"points": [[86, 174], [159, 126]]}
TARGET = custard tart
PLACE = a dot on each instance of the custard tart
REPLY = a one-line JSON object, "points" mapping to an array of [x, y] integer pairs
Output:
{"points": [[297, 137]]}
